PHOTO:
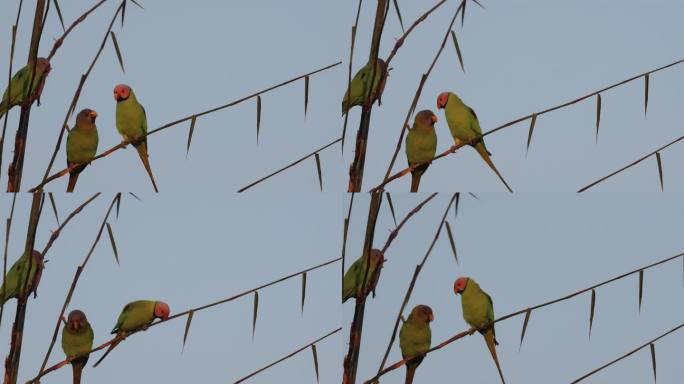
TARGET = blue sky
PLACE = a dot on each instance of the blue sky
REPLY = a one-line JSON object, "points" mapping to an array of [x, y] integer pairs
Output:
{"points": [[526, 250]]}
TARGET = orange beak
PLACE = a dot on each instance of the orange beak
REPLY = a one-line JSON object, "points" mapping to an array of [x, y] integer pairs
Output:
{"points": [[431, 317], [434, 119], [93, 114]]}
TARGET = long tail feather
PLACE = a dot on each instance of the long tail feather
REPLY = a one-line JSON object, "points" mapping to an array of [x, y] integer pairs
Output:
{"points": [[73, 177], [415, 181], [77, 370], [410, 372], [489, 339], [480, 148], [111, 346], [142, 151]]}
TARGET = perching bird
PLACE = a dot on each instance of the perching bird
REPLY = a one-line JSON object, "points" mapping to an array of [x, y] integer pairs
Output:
{"points": [[360, 84], [357, 272], [77, 338], [464, 127], [17, 276], [131, 122], [19, 83], [415, 337], [478, 312], [421, 144], [81, 145], [136, 315]]}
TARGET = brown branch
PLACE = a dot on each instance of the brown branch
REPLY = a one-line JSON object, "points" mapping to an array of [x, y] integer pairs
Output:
{"points": [[178, 315], [628, 353], [349, 78], [288, 356], [79, 270], [631, 164], [396, 230], [521, 119], [409, 291], [8, 228], [346, 231], [403, 37], [123, 144], [58, 43], [55, 234], [248, 186], [470, 331], [9, 82]]}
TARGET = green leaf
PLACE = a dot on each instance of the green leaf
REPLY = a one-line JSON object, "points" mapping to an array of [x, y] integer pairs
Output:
{"points": [[533, 122], [54, 206], [306, 94], [401, 22], [318, 169], [256, 308], [458, 50], [59, 14], [653, 361], [463, 13], [451, 240], [641, 287], [123, 13], [258, 116], [458, 198], [118, 51], [111, 239], [391, 207], [524, 328], [315, 360], [646, 83], [598, 114], [303, 290], [190, 132], [591, 313], [187, 328], [660, 170], [118, 204]]}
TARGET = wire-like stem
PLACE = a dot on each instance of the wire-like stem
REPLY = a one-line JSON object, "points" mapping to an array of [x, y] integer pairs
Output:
{"points": [[400, 42], [58, 43], [8, 228], [396, 230]]}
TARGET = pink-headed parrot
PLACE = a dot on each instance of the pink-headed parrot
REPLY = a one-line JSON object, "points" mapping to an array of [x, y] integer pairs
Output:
{"points": [[465, 127], [360, 85], [20, 82], [357, 272], [131, 122], [421, 144], [81, 145], [136, 315], [478, 312], [16, 277], [77, 339], [415, 337]]}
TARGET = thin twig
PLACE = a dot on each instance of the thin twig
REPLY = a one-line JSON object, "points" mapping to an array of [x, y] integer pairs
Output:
{"points": [[58, 43], [403, 37], [4, 257], [396, 230]]}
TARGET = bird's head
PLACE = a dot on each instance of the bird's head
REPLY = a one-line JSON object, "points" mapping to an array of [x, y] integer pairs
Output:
{"points": [[442, 100], [460, 285], [86, 116], [426, 117], [423, 313], [43, 65], [376, 257], [122, 92], [76, 320], [161, 310]]}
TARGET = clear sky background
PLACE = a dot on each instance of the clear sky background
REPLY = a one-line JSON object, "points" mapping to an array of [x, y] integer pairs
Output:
{"points": [[190, 252], [526, 250]]}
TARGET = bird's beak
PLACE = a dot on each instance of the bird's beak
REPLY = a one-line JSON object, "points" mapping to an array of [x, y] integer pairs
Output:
{"points": [[431, 317], [434, 119], [93, 114]]}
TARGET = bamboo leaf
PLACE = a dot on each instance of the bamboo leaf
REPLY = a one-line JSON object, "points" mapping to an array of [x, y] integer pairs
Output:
{"points": [[641, 287], [401, 22], [303, 290], [59, 14], [660, 170], [118, 51], [118, 204], [451, 240], [653, 361], [315, 360], [474, 196], [458, 198], [123, 13], [136, 3], [524, 328], [598, 114], [533, 122], [258, 117], [318, 170], [591, 313], [111, 239], [134, 195], [647, 79], [256, 308], [306, 94], [391, 207], [54, 206], [187, 328], [190, 132], [463, 13], [478, 3], [458, 50]]}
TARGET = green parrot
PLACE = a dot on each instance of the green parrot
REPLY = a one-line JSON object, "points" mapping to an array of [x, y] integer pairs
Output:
{"points": [[20, 81], [360, 83], [421, 144], [81, 145], [478, 312], [136, 315], [131, 122], [16, 277], [357, 272], [415, 337], [77, 338], [464, 126]]}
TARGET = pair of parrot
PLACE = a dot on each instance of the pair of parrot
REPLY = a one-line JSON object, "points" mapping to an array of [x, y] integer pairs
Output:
{"points": [[421, 141], [131, 123], [25, 84], [364, 267], [415, 335], [77, 336]]}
